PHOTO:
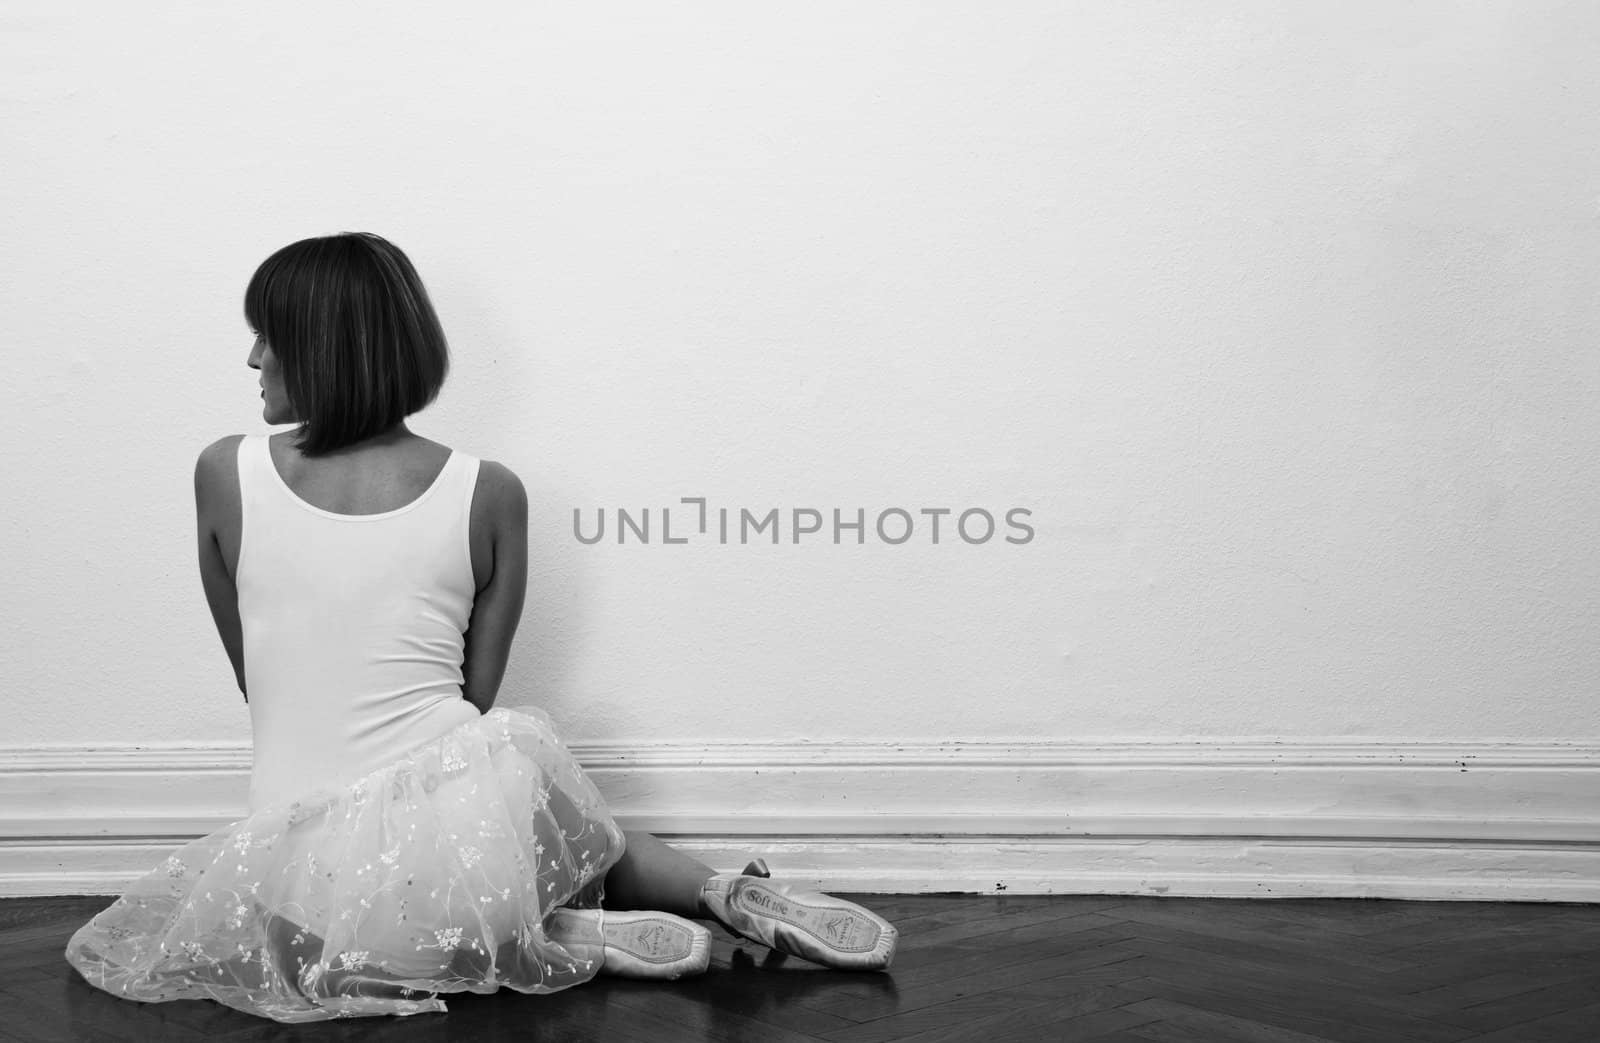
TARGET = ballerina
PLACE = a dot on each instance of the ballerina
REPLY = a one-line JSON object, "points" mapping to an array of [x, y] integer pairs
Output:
{"points": [[404, 838]]}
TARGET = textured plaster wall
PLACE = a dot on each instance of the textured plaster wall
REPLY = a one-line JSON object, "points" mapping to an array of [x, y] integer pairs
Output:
{"points": [[1280, 319]]}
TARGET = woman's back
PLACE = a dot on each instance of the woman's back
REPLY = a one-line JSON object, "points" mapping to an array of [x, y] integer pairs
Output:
{"points": [[352, 620], [379, 475]]}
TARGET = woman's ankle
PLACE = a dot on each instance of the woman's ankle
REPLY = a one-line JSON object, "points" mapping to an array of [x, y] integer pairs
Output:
{"points": [[702, 911]]}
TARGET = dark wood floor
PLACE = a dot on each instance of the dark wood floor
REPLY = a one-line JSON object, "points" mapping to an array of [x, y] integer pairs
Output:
{"points": [[1037, 969]]}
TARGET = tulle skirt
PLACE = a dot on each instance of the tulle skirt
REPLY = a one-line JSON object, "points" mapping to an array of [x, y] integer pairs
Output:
{"points": [[436, 873]]}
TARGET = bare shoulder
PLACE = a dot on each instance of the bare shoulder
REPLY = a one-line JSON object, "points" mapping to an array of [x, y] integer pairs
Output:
{"points": [[499, 523], [215, 471], [501, 492]]}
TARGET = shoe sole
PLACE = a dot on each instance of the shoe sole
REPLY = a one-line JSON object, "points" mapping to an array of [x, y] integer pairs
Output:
{"points": [[849, 932], [649, 939], [637, 944]]}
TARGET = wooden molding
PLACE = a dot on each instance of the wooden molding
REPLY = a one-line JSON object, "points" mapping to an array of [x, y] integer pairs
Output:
{"points": [[1465, 821]]}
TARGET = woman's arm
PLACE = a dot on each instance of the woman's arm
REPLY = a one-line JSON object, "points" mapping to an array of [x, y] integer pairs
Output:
{"points": [[497, 606], [215, 487]]}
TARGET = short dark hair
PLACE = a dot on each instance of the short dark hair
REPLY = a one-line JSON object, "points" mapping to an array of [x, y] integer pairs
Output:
{"points": [[358, 339]]}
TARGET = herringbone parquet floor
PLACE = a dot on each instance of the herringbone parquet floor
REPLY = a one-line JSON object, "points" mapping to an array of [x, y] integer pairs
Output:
{"points": [[1037, 969]]}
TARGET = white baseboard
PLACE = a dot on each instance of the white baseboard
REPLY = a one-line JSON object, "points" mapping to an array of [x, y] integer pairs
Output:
{"points": [[1485, 821]]}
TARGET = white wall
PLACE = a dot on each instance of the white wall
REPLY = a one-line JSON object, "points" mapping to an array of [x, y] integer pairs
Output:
{"points": [[1281, 319]]}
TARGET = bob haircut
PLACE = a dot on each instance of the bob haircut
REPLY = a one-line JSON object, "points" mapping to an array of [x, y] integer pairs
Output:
{"points": [[359, 342]]}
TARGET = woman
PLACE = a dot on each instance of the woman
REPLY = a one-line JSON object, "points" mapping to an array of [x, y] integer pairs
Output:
{"points": [[405, 838]]}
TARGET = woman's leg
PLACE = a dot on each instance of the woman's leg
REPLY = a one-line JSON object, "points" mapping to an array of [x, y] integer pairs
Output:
{"points": [[653, 875]]}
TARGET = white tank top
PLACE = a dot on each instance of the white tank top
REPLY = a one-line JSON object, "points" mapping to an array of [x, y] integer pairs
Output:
{"points": [[354, 626]]}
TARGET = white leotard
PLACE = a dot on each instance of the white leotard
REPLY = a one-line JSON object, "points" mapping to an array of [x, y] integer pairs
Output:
{"points": [[354, 626]]}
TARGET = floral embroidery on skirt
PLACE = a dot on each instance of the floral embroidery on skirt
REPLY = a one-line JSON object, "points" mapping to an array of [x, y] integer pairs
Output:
{"points": [[433, 874]]}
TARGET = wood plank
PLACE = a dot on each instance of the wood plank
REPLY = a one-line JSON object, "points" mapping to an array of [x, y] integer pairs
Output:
{"points": [[997, 968]]}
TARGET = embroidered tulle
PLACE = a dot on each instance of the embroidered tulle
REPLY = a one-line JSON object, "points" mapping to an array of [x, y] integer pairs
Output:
{"points": [[433, 874]]}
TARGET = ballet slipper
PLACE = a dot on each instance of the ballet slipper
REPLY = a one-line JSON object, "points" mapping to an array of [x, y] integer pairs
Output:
{"points": [[638, 944], [808, 924]]}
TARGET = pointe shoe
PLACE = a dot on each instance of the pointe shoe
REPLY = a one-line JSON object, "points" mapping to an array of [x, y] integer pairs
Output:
{"points": [[808, 924], [638, 944]]}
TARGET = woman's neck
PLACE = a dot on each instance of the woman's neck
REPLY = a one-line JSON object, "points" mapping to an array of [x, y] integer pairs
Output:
{"points": [[396, 435]]}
